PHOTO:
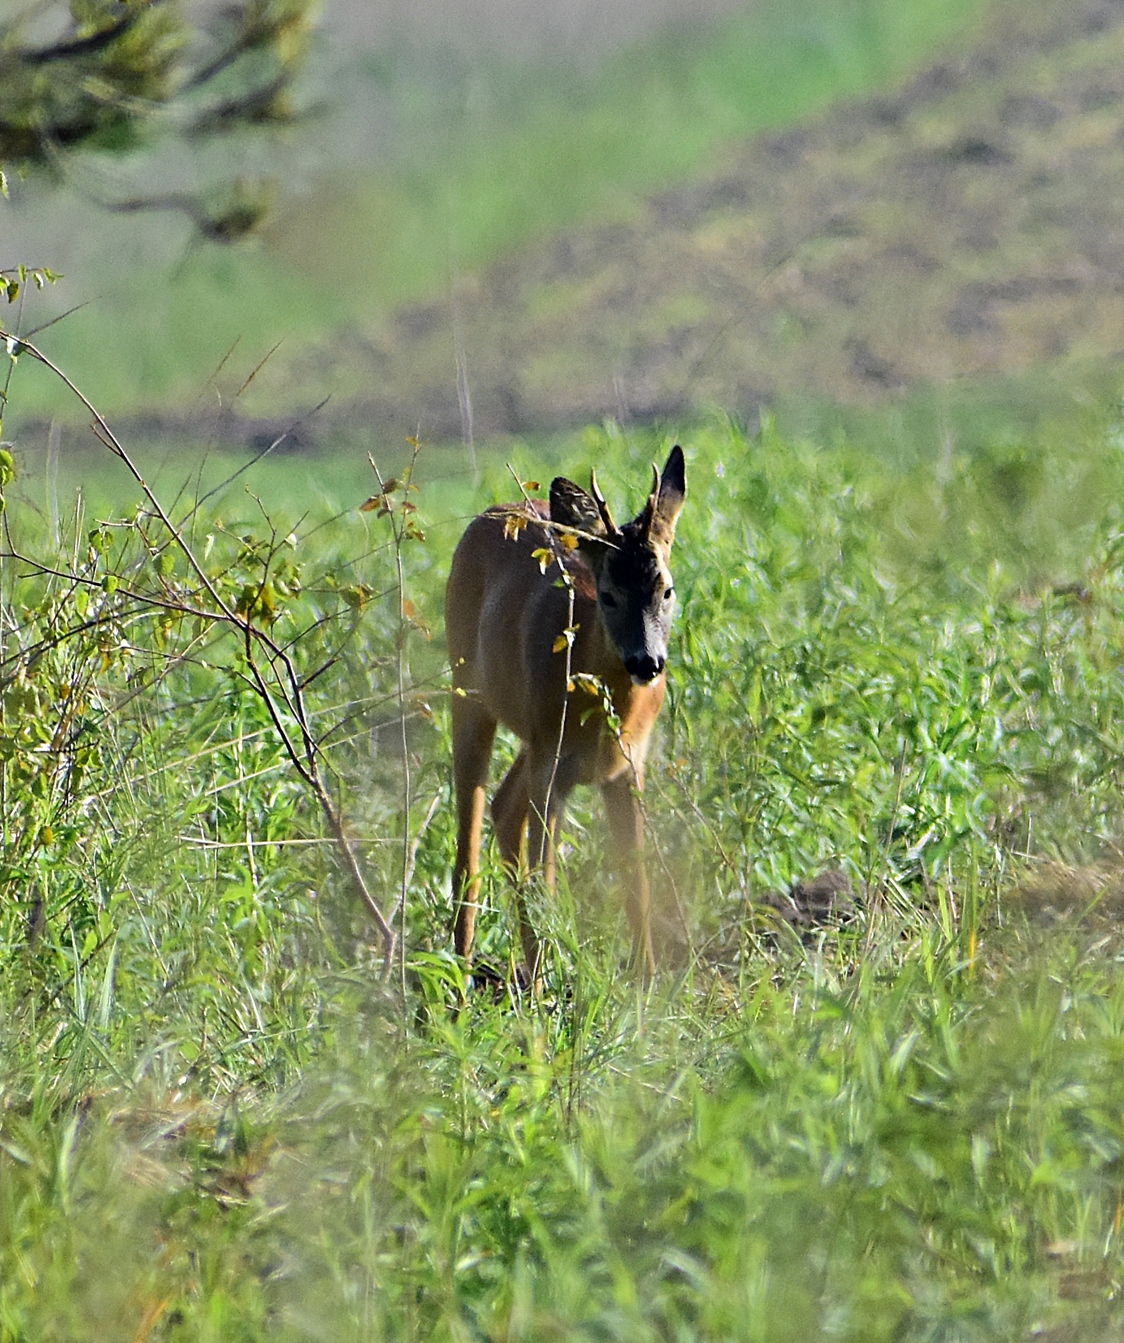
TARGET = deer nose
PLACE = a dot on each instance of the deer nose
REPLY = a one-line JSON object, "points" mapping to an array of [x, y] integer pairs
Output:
{"points": [[642, 667]]}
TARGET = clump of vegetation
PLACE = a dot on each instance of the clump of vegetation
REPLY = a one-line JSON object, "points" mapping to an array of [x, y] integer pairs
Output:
{"points": [[105, 75], [219, 1118]]}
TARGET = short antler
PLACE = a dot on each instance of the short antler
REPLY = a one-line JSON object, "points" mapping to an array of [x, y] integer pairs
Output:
{"points": [[649, 513], [602, 506]]}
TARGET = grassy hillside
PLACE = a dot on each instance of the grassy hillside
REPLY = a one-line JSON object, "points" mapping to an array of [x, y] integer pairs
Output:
{"points": [[898, 1119], [477, 160], [962, 229]]}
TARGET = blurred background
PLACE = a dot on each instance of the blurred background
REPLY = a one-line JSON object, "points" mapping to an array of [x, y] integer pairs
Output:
{"points": [[494, 219]]}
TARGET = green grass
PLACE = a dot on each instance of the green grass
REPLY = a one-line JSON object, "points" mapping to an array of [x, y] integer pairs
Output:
{"points": [[540, 150], [216, 1124]]}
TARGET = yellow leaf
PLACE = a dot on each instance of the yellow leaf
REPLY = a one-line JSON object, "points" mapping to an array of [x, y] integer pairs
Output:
{"points": [[569, 541], [355, 595], [560, 644]]}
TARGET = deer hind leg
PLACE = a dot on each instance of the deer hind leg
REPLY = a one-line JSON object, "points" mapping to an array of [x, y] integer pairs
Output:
{"points": [[549, 784], [509, 815], [474, 730], [626, 826]]}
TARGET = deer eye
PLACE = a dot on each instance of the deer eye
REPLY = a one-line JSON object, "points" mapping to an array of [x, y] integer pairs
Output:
{"points": [[608, 600], [668, 593]]}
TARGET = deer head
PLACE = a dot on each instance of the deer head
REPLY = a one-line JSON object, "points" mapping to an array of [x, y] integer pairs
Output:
{"points": [[635, 592]]}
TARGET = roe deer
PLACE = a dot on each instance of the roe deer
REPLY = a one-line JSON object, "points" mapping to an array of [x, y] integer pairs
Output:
{"points": [[508, 618]]}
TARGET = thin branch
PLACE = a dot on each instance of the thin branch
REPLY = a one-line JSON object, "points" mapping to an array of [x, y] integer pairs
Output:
{"points": [[82, 46]]}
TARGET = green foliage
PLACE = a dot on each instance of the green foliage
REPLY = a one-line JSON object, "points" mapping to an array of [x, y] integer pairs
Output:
{"points": [[904, 1125], [129, 721], [12, 281], [88, 86], [912, 679]]}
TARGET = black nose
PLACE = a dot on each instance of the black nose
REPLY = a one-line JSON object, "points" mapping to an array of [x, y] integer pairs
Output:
{"points": [[642, 667]]}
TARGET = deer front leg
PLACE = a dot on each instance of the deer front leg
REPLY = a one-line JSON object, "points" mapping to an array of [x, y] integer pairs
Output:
{"points": [[626, 826], [510, 810], [549, 783], [473, 733]]}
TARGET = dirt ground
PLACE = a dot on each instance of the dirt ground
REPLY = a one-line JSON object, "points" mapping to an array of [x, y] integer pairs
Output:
{"points": [[972, 224]]}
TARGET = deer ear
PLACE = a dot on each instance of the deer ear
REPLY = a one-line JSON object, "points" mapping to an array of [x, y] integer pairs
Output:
{"points": [[571, 506], [667, 502]]}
